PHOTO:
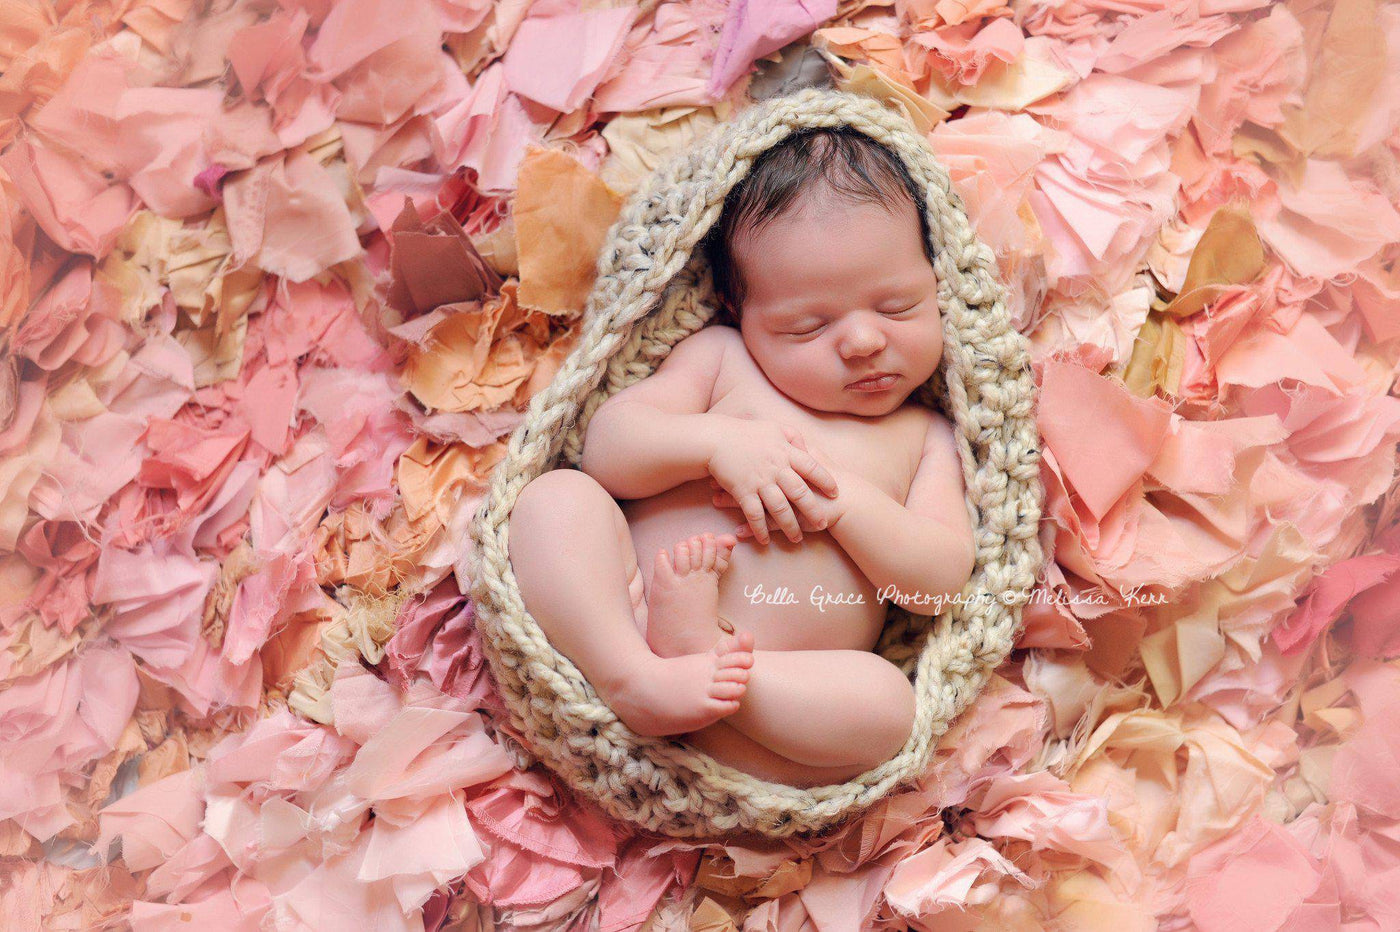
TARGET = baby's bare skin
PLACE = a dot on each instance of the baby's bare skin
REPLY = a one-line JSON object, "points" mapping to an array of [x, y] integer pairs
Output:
{"points": [[851, 616], [793, 692]]}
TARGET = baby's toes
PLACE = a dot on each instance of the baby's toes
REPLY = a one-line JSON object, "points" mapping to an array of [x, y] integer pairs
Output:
{"points": [[741, 659], [738, 642], [662, 567], [725, 689], [687, 555], [724, 547], [707, 552], [734, 674]]}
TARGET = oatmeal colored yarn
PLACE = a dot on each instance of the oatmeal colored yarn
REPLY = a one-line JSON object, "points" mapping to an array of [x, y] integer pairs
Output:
{"points": [[653, 289]]}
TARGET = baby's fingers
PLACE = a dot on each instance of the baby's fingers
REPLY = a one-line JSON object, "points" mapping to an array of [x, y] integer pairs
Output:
{"points": [[810, 509], [777, 504], [819, 476], [794, 438], [722, 499], [744, 532], [755, 515]]}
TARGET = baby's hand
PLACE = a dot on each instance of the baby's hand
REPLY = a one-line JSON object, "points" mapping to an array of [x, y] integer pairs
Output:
{"points": [[766, 470], [819, 515]]}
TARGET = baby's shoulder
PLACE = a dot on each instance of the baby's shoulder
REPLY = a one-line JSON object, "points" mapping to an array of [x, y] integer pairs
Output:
{"points": [[714, 335], [725, 345], [711, 344], [720, 336]]}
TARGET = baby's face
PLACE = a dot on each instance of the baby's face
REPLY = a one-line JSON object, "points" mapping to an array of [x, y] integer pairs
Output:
{"points": [[837, 292]]}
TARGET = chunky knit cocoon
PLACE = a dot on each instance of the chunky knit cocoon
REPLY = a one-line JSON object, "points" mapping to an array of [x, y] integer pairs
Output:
{"points": [[654, 289]]}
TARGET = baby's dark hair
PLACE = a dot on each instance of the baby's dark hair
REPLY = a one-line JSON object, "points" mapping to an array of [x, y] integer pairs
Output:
{"points": [[847, 162]]}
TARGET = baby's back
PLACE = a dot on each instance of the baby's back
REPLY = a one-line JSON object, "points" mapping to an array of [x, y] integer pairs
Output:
{"points": [[805, 596]]}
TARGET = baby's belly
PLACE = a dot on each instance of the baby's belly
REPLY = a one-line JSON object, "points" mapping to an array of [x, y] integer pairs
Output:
{"points": [[805, 596]]}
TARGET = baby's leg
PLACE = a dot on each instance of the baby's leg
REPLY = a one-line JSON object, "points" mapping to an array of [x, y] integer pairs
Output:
{"points": [[729, 745], [570, 550], [826, 708], [820, 708]]}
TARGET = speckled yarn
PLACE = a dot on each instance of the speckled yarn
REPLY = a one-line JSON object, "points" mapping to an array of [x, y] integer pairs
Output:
{"points": [[653, 289]]}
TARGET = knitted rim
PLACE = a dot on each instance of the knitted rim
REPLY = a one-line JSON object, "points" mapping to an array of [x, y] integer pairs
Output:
{"points": [[653, 289]]}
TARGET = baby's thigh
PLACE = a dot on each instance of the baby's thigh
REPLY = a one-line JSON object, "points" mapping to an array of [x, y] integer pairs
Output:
{"points": [[636, 588], [730, 746], [568, 502]]}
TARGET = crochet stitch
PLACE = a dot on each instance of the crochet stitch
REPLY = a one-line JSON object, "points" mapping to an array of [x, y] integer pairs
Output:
{"points": [[652, 290]]}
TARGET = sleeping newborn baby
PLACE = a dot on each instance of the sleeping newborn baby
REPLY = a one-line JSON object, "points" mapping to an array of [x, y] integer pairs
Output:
{"points": [[777, 485]]}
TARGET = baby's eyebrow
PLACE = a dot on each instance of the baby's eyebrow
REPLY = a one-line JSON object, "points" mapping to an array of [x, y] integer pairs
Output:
{"points": [[884, 292]]}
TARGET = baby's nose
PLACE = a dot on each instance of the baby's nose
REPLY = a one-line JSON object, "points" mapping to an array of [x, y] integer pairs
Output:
{"points": [[864, 342]]}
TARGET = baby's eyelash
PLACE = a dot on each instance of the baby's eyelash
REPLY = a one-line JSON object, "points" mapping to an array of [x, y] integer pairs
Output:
{"points": [[807, 333]]}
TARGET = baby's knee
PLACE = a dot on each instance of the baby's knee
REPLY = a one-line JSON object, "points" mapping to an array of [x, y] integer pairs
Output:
{"points": [[892, 709], [560, 494]]}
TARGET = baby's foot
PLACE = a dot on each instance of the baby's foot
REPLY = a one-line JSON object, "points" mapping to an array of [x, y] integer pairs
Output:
{"points": [[684, 596], [684, 687], [669, 696]]}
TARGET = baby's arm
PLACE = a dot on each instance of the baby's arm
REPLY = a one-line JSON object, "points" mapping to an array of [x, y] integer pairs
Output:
{"points": [[655, 434], [924, 546]]}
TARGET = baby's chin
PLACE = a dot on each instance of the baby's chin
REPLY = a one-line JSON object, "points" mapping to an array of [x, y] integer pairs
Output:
{"points": [[857, 405], [878, 407]]}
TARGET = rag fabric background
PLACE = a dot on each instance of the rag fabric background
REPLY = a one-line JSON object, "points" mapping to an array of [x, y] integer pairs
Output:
{"points": [[277, 278]]}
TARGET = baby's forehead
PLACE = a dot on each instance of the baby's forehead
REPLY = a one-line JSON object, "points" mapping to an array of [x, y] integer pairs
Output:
{"points": [[819, 204], [830, 243], [793, 270], [825, 219]]}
